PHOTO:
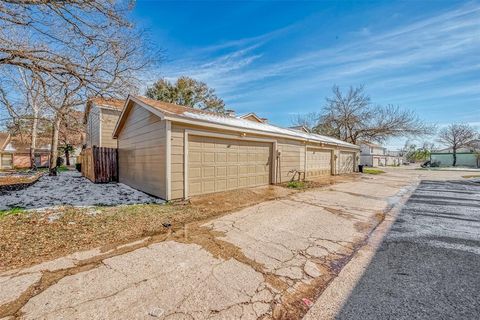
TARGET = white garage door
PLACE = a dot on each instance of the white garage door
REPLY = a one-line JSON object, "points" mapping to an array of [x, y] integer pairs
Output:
{"points": [[319, 163], [216, 164], [346, 162]]}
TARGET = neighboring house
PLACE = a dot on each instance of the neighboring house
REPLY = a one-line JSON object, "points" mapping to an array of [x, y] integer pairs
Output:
{"points": [[468, 156], [464, 159], [100, 118], [15, 153], [175, 152], [374, 155]]}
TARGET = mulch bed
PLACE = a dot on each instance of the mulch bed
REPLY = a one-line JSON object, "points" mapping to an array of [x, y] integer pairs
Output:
{"points": [[15, 181]]}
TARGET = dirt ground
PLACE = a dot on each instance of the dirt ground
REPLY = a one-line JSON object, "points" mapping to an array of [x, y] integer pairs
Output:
{"points": [[31, 237]]}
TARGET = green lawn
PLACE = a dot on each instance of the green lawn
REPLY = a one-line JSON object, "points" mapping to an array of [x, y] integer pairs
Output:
{"points": [[15, 210], [368, 170]]}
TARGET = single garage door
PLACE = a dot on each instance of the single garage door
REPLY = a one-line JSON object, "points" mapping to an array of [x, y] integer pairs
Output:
{"points": [[346, 162], [216, 164], [6, 161], [319, 163]]}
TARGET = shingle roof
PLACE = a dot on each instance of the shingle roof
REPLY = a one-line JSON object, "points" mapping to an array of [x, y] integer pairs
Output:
{"points": [[110, 103], [116, 104], [237, 122]]}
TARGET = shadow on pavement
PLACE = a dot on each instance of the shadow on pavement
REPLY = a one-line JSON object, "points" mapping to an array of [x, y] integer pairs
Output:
{"points": [[428, 266]]}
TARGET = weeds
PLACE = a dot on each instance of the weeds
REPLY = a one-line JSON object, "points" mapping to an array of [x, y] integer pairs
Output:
{"points": [[372, 171], [13, 211], [296, 185]]}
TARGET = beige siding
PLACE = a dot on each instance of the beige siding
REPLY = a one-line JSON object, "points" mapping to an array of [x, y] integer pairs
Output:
{"points": [[109, 120], [93, 127], [292, 157], [142, 152]]}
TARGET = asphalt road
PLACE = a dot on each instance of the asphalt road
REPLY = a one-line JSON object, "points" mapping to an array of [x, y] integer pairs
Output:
{"points": [[428, 266]]}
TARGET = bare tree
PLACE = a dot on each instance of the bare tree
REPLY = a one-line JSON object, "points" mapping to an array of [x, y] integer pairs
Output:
{"points": [[76, 49], [27, 110], [45, 36], [352, 117], [308, 120], [71, 133], [457, 136]]}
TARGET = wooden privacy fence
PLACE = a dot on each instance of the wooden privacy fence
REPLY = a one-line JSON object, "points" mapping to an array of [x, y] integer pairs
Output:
{"points": [[100, 164]]}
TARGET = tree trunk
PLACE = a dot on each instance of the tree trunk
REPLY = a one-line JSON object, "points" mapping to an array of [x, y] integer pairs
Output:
{"points": [[33, 143], [54, 146], [454, 157], [67, 156]]}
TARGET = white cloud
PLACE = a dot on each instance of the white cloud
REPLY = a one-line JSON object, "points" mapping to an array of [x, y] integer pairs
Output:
{"points": [[423, 52]]}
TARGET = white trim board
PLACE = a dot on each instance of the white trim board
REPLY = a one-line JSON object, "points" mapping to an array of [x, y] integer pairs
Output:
{"points": [[168, 155]]}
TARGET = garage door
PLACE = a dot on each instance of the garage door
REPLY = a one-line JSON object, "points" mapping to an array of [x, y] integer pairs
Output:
{"points": [[216, 164], [319, 163], [346, 162], [6, 161]]}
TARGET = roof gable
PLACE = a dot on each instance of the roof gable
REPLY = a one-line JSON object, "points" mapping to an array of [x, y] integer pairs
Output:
{"points": [[253, 117], [102, 103], [300, 128]]}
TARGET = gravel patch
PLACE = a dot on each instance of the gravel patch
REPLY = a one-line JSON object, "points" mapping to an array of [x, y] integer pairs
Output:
{"points": [[71, 189]]}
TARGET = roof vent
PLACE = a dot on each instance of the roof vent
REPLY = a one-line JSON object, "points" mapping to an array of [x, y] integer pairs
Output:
{"points": [[230, 112]]}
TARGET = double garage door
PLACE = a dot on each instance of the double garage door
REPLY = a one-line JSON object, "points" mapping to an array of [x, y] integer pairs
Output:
{"points": [[319, 163], [346, 162], [216, 164]]}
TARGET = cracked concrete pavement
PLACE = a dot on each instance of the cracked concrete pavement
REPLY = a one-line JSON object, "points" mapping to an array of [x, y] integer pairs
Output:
{"points": [[271, 260]]}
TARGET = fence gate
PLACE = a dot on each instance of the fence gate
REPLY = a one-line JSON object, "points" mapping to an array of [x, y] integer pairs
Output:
{"points": [[100, 164]]}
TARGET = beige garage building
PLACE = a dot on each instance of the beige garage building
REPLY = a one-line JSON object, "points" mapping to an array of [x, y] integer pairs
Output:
{"points": [[175, 152]]}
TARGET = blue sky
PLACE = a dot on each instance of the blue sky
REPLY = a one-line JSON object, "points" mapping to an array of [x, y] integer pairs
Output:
{"points": [[282, 58]]}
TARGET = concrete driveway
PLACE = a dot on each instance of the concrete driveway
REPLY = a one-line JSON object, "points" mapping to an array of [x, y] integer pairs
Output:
{"points": [[270, 260]]}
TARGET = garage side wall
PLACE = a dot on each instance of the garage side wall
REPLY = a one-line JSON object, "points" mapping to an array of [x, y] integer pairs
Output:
{"points": [[292, 157], [142, 152]]}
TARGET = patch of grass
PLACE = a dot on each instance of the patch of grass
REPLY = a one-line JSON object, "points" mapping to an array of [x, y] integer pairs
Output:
{"points": [[471, 176], [13, 211], [62, 168], [372, 171], [296, 185]]}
